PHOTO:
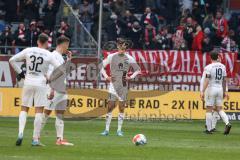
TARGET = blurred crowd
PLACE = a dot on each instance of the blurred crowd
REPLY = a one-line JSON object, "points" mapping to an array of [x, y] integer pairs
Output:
{"points": [[150, 24], [32, 17], [163, 24]]}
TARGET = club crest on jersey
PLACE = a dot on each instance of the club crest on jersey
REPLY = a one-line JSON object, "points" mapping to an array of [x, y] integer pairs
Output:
{"points": [[120, 66]]}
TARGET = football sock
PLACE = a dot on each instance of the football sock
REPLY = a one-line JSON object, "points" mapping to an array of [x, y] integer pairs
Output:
{"points": [[108, 120], [59, 124], [224, 117], [44, 120], [22, 122], [37, 126], [215, 119], [120, 121], [209, 121]]}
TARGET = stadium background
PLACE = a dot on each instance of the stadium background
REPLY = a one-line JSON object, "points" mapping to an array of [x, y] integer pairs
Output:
{"points": [[183, 29]]}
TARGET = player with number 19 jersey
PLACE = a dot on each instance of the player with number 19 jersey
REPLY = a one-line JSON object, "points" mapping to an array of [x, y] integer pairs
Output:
{"points": [[37, 64], [216, 72]]}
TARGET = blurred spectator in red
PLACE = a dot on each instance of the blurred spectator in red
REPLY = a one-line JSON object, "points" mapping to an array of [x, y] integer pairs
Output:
{"points": [[149, 16], [189, 31], [228, 43], [6, 39], [164, 39], [150, 34], [50, 10], [64, 30], [207, 45], [86, 14], [179, 42], [32, 34], [221, 26], [198, 39], [135, 34], [20, 36], [31, 10]]}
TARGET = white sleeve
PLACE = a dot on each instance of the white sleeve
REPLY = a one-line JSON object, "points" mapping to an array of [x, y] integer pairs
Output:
{"points": [[224, 72], [135, 66], [202, 81], [54, 62], [50, 70], [105, 62], [18, 58], [207, 71]]}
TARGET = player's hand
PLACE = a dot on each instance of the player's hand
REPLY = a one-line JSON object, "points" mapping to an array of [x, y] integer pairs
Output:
{"points": [[50, 97], [226, 96], [69, 55], [128, 78], [47, 79], [110, 79], [21, 76], [202, 96]]}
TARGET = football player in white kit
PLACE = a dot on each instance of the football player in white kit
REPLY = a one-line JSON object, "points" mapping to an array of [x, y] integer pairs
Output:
{"points": [[34, 91], [215, 83], [215, 114], [119, 62], [58, 99]]}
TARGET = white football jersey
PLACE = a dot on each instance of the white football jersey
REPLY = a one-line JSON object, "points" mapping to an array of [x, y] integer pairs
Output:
{"points": [[120, 64], [37, 64], [58, 56], [216, 72]]}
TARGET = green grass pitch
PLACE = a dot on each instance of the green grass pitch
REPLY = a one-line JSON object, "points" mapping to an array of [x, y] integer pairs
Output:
{"points": [[167, 140]]}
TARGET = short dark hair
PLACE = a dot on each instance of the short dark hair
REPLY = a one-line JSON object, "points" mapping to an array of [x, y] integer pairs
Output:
{"points": [[62, 39], [43, 38], [214, 55]]}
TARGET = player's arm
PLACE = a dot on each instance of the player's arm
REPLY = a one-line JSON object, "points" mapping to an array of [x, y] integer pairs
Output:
{"points": [[106, 62], [58, 71], [205, 82], [50, 71], [202, 81], [137, 69], [18, 58], [225, 85]]}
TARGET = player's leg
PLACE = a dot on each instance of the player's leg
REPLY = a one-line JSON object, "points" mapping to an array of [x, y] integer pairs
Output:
{"points": [[209, 118], [22, 123], [216, 117], [210, 97], [46, 114], [27, 101], [37, 125], [40, 101], [59, 124], [111, 106], [120, 117], [122, 103], [223, 115]]}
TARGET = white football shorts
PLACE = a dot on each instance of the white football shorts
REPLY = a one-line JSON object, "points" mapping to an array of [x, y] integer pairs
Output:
{"points": [[34, 96], [118, 93], [59, 102], [214, 96]]}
